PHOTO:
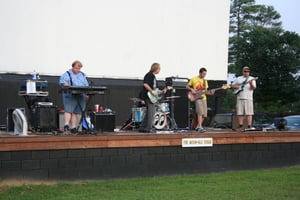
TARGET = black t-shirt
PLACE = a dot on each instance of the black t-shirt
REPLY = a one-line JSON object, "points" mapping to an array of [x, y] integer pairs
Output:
{"points": [[150, 79]]}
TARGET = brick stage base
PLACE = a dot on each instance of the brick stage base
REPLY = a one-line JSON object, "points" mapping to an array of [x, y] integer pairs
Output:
{"points": [[130, 154]]}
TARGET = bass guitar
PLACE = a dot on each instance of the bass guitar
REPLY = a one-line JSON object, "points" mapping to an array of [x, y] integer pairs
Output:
{"points": [[198, 95], [159, 96], [241, 87]]}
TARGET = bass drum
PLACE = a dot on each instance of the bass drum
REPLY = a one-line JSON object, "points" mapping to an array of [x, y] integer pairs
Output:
{"points": [[160, 120]]}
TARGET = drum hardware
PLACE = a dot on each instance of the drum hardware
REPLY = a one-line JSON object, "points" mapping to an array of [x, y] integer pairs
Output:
{"points": [[134, 99], [173, 97], [172, 119], [137, 115], [164, 117]]}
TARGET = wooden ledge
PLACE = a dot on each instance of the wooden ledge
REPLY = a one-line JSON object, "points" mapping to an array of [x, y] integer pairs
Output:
{"points": [[132, 139]]}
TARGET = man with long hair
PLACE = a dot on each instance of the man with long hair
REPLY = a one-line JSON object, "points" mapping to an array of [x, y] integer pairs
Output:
{"points": [[149, 85]]}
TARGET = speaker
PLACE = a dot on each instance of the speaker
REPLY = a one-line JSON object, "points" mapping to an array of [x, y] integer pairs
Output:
{"points": [[9, 122], [103, 121], [181, 108], [181, 105], [43, 118]]}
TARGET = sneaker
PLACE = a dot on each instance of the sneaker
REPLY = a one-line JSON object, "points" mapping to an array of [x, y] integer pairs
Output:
{"points": [[200, 130], [251, 128], [239, 129], [74, 131], [66, 128]]}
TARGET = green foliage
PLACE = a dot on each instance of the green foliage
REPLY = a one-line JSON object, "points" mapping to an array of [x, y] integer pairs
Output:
{"points": [[275, 59], [275, 184], [245, 16], [258, 41], [229, 101]]}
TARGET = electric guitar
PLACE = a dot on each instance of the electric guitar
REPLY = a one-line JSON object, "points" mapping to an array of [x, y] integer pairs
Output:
{"points": [[198, 95], [241, 87], [159, 96]]}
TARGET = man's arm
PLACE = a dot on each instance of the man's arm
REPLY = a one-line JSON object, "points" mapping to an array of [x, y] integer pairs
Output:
{"points": [[252, 84], [147, 86], [64, 80], [189, 88]]}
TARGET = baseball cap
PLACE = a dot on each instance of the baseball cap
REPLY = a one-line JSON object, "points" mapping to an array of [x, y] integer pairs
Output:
{"points": [[246, 68]]}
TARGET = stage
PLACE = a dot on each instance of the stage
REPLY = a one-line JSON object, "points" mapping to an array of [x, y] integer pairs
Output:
{"points": [[48, 141], [133, 154]]}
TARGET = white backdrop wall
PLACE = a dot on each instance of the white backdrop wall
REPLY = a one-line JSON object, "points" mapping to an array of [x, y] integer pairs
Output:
{"points": [[115, 38]]}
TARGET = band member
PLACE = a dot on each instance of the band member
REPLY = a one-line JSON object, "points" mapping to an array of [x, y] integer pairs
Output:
{"points": [[149, 85], [244, 86], [73, 77], [199, 85]]}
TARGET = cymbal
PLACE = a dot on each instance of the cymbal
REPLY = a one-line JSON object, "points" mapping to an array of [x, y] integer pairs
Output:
{"points": [[173, 97], [135, 99]]}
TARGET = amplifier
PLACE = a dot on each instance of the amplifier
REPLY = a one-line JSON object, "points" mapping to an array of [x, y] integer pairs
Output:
{"points": [[43, 118], [103, 121], [181, 105], [176, 82]]}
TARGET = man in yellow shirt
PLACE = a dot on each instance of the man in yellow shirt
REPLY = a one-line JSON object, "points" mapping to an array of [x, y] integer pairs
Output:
{"points": [[198, 88]]}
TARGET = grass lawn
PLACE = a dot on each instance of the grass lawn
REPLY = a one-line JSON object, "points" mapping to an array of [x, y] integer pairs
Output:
{"points": [[282, 183]]}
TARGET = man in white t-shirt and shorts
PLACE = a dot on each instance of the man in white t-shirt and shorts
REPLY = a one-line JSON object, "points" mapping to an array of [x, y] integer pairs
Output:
{"points": [[244, 86]]}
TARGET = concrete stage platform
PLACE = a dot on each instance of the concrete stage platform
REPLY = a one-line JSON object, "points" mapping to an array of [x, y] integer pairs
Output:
{"points": [[133, 154]]}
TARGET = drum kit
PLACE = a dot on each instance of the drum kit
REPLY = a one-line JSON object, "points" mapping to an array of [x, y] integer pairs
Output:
{"points": [[163, 118]]}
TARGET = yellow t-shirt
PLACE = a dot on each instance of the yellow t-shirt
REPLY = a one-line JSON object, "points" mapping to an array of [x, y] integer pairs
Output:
{"points": [[198, 83]]}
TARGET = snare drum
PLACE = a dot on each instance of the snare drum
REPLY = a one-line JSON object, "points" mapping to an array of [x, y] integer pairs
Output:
{"points": [[138, 114], [164, 107]]}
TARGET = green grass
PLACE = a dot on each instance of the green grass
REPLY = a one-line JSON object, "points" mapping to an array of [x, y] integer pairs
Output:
{"points": [[282, 183]]}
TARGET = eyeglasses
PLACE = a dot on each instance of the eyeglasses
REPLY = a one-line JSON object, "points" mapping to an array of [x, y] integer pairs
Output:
{"points": [[246, 71]]}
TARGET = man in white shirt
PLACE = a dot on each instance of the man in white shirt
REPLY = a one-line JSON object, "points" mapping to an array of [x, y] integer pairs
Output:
{"points": [[244, 86]]}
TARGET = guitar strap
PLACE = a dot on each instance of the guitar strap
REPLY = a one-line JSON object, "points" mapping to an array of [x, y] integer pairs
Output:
{"points": [[245, 82]]}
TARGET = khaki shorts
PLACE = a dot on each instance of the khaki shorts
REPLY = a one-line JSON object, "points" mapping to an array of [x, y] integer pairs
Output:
{"points": [[244, 107], [201, 107]]}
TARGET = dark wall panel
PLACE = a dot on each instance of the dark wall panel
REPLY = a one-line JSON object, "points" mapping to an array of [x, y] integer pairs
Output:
{"points": [[103, 163]]}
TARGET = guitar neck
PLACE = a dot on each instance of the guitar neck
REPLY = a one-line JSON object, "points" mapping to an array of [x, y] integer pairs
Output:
{"points": [[220, 88]]}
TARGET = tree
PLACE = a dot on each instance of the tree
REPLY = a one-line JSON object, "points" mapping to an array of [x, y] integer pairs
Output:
{"points": [[274, 57], [257, 40], [245, 15]]}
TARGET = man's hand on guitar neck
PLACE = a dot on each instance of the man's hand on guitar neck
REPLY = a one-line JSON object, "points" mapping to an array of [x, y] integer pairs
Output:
{"points": [[211, 92], [158, 91], [251, 84]]}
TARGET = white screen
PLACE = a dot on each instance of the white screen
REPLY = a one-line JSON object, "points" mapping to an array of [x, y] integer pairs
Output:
{"points": [[115, 38]]}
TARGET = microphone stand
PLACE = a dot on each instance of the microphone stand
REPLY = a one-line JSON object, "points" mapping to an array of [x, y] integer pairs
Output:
{"points": [[172, 119]]}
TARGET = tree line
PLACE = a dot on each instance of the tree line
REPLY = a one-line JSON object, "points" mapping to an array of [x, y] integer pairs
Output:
{"points": [[258, 40]]}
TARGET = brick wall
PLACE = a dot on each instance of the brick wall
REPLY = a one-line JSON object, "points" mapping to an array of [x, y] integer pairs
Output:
{"points": [[102, 163]]}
